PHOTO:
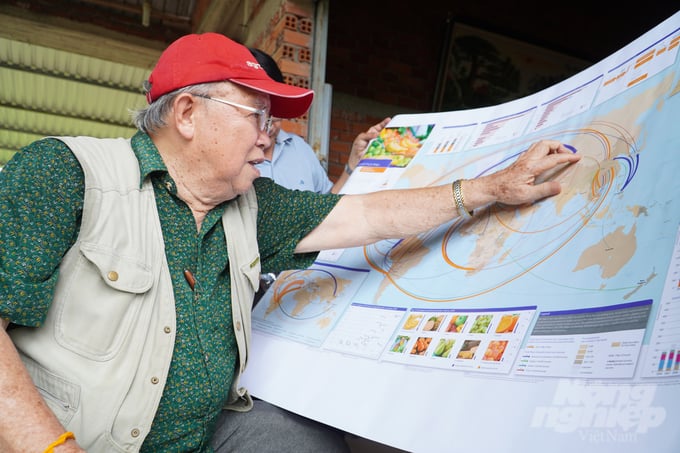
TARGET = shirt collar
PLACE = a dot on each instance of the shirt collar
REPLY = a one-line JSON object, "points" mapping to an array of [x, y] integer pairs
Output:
{"points": [[283, 137], [148, 156]]}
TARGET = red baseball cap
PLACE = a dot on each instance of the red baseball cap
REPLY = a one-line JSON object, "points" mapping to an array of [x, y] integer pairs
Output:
{"points": [[212, 57]]}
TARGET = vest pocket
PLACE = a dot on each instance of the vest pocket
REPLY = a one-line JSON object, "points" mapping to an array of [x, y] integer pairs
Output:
{"points": [[102, 301], [61, 396]]}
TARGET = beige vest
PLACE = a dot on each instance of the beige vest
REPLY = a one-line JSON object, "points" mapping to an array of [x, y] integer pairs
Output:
{"points": [[102, 357]]}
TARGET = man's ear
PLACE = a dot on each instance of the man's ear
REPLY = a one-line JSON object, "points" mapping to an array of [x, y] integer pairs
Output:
{"points": [[184, 109]]}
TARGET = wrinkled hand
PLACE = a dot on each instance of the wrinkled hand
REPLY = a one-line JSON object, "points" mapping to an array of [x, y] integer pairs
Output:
{"points": [[361, 142], [528, 178]]}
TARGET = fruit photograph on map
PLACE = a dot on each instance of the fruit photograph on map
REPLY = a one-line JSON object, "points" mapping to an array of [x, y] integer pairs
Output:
{"points": [[396, 145]]}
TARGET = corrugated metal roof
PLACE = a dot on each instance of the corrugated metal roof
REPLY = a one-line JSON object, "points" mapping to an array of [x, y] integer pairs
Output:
{"points": [[58, 76], [45, 91]]}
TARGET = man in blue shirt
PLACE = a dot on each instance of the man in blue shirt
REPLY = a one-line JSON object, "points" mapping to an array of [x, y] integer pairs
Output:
{"points": [[291, 162]]}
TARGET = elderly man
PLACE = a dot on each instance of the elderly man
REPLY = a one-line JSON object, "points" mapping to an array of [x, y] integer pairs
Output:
{"points": [[127, 267]]}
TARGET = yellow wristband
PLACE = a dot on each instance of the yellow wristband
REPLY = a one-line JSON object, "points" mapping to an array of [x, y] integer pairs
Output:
{"points": [[459, 200], [60, 440]]}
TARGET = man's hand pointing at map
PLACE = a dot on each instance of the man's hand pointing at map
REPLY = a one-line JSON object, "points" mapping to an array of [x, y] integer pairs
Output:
{"points": [[403, 212], [521, 182]]}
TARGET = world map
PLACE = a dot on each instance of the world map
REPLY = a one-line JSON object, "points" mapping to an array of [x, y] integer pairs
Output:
{"points": [[582, 243], [565, 311]]}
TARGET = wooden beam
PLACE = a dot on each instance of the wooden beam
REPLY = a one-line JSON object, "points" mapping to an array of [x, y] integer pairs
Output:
{"points": [[218, 14], [77, 37]]}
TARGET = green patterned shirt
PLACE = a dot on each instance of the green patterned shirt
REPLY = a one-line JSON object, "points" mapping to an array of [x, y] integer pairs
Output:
{"points": [[41, 200]]}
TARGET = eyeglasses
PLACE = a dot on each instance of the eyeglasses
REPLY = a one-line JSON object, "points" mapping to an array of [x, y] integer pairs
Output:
{"points": [[270, 123], [264, 121]]}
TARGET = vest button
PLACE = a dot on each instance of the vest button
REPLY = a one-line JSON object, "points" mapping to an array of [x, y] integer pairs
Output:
{"points": [[167, 329], [238, 325], [154, 380], [134, 432], [112, 275]]}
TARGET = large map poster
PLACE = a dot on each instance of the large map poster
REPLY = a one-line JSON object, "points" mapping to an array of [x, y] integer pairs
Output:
{"points": [[549, 327]]}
